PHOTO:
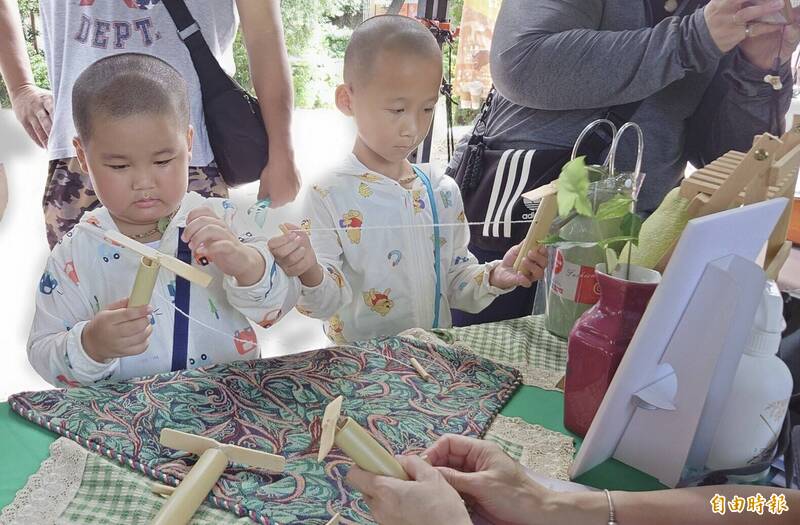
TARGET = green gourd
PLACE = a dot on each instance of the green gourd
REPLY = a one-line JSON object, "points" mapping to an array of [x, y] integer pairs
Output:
{"points": [[660, 231]]}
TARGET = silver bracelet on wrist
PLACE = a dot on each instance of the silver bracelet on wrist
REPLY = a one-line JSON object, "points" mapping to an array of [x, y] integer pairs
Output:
{"points": [[612, 516]]}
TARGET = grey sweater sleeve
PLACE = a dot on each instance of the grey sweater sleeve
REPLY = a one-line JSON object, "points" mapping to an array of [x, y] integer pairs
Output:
{"points": [[551, 54], [737, 105]]}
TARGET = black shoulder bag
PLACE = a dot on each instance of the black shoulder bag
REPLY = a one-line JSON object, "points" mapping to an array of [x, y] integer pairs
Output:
{"points": [[235, 126]]}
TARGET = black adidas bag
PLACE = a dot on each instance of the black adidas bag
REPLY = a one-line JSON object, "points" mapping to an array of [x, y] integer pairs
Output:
{"points": [[492, 181]]}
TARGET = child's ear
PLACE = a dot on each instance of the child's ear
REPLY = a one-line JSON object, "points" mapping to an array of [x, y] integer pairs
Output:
{"points": [[190, 140], [80, 153], [344, 99]]}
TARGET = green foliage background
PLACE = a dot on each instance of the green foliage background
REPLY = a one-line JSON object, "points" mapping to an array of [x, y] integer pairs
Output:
{"points": [[316, 31]]}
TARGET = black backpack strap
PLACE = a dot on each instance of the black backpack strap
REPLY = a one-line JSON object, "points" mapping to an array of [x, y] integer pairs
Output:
{"points": [[600, 138], [213, 79]]}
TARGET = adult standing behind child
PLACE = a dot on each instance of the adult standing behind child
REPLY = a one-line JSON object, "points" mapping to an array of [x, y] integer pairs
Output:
{"points": [[391, 238], [700, 75], [77, 33], [134, 140]]}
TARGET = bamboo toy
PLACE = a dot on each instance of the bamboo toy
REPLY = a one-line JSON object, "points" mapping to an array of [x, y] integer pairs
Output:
{"points": [[152, 261], [421, 370], [783, 175], [735, 178], [544, 217], [356, 442], [213, 459]]}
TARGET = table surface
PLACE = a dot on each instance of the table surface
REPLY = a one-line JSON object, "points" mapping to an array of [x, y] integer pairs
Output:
{"points": [[23, 445]]}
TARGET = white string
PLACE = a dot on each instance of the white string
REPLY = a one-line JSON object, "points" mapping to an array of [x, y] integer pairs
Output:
{"points": [[98, 233], [398, 226], [213, 329], [226, 334]]}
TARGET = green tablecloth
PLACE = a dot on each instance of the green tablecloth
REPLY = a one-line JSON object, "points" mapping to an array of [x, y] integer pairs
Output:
{"points": [[23, 445]]}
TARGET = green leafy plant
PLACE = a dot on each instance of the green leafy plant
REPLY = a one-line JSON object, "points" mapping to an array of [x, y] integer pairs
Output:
{"points": [[573, 197], [316, 35], [573, 189]]}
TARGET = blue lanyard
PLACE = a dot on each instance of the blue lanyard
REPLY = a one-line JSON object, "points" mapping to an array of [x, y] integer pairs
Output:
{"points": [[180, 332], [437, 248]]}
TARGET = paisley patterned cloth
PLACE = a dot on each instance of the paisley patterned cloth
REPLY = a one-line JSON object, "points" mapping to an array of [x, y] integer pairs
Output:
{"points": [[276, 405]]}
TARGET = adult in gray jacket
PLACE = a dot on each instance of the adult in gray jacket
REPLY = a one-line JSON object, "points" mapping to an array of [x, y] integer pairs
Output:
{"points": [[560, 64]]}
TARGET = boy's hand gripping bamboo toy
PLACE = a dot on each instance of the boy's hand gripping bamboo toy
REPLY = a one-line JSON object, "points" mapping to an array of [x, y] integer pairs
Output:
{"points": [[356, 442], [214, 458], [152, 261], [544, 217]]}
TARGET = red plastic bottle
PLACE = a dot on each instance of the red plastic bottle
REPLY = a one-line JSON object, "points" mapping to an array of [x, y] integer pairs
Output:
{"points": [[599, 339]]}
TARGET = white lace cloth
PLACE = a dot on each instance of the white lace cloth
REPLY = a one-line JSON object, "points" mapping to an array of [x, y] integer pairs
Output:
{"points": [[544, 451], [49, 491]]}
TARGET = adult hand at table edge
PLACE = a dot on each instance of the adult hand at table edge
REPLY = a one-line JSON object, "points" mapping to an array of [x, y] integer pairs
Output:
{"points": [[480, 471], [426, 499]]}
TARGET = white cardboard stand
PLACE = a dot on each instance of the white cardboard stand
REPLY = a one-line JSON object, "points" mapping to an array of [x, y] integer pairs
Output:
{"points": [[663, 405]]}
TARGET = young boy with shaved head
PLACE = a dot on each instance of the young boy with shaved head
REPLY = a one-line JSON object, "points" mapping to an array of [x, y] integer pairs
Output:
{"points": [[134, 139], [383, 245]]}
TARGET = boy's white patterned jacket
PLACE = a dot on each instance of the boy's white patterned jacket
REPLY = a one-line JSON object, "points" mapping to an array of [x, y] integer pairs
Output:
{"points": [[85, 273], [380, 277]]}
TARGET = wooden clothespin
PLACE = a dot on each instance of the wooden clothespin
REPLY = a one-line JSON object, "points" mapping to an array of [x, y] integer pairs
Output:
{"points": [[545, 215], [152, 261], [420, 370], [356, 442], [774, 81], [213, 459]]}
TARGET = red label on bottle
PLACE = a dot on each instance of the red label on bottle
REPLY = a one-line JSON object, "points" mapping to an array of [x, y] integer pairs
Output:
{"points": [[588, 289], [574, 282]]}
